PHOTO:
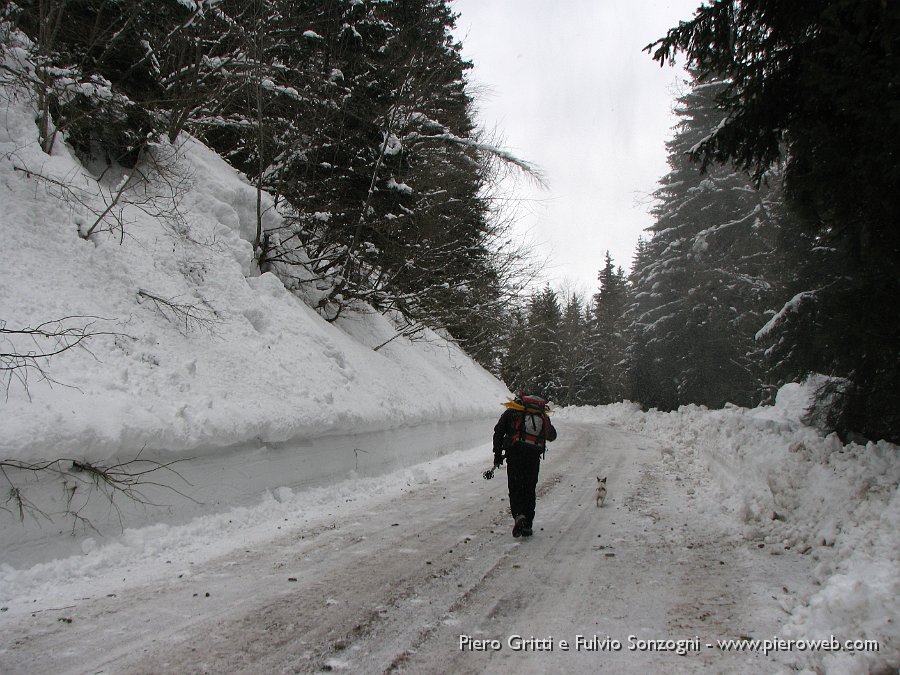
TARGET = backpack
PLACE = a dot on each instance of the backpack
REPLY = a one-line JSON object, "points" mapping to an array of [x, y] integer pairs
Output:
{"points": [[530, 425]]}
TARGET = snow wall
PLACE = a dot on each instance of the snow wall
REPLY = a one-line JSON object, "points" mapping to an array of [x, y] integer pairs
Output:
{"points": [[234, 358]]}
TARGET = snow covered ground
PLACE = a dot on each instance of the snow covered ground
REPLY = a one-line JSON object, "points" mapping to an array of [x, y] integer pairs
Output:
{"points": [[789, 489], [404, 572], [327, 511]]}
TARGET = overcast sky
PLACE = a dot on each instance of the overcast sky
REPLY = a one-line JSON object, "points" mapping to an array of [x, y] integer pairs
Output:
{"points": [[567, 86]]}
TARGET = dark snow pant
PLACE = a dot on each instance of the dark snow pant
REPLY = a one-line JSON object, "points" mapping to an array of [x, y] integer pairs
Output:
{"points": [[522, 467]]}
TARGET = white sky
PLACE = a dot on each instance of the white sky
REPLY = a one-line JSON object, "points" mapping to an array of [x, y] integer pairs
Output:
{"points": [[566, 85]]}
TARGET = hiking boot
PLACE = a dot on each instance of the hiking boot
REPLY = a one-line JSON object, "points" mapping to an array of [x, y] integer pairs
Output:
{"points": [[519, 526], [527, 531]]}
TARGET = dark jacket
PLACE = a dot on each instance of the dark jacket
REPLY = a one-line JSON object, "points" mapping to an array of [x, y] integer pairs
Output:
{"points": [[506, 427]]}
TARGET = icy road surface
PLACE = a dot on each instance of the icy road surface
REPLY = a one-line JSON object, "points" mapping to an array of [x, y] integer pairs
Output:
{"points": [[408, 580]]}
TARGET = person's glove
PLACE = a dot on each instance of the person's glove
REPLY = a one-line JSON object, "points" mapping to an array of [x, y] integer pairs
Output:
{"points": [[498, 457]]}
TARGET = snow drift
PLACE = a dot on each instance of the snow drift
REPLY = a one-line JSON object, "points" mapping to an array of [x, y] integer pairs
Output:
{"points": [[789, 487]]}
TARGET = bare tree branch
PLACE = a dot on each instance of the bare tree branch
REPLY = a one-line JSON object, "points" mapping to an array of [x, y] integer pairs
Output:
{"points": [[83, 480], [186, 316], [25, 351]]}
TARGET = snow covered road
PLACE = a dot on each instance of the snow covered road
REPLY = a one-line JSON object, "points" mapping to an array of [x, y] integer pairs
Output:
{"points": [[398, 581]]}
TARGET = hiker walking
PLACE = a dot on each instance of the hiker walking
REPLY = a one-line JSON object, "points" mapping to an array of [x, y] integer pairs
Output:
{"points": [[522, 433]]}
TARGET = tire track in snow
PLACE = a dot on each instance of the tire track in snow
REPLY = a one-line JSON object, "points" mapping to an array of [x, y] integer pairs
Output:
{"points": [[644, 564], [391, 585]]}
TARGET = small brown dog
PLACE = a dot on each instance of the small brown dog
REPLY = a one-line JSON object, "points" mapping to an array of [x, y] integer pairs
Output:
{"points": [[601, 490]]}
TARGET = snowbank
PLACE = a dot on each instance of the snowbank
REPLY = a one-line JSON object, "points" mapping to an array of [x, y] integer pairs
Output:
{"points": [[788, 486], [189, 349], [142, 554]]}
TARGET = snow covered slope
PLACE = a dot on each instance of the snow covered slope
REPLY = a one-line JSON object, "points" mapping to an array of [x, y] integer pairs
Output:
{"points": [[192, 348]]}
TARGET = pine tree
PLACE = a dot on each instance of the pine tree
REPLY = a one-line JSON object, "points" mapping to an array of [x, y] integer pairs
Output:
{"points": [[609, 340], [543, 373], [110, 76], [814, 83], [515, 356], [375, 159], [700, 285], [577, 367]]}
